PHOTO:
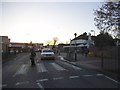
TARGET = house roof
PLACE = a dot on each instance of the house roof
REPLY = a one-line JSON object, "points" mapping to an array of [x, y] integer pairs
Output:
{"points": [[84, 37]]}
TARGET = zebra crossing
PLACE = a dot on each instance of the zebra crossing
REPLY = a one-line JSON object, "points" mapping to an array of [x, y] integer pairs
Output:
{"points": [[57, 67], [41, 68], [22, 70]]}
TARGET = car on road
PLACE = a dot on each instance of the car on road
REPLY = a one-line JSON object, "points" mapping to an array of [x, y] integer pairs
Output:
{"points": [[47, 53]]}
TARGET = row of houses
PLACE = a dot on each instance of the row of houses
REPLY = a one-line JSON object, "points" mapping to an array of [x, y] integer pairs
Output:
{"points": [[7, 47], [78, 43]]}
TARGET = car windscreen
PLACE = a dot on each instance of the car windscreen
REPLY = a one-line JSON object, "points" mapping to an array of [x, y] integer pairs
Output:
{"points": [[47, 51]]}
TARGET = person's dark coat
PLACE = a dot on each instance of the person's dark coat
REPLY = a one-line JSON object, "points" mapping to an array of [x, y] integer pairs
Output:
{"points": [[33, 54]]}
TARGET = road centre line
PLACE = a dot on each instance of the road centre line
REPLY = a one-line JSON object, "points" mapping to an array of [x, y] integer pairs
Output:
{"points": [[40, 86], [87, 75], [99, 75], [41, 80], [73, 76], [58, 78]]}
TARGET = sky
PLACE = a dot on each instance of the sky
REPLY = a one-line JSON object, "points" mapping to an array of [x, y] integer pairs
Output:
{"points": [[40, 22]]}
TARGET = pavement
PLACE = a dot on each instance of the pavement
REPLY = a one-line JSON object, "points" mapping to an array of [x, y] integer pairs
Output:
{"points": [[88, 62]]}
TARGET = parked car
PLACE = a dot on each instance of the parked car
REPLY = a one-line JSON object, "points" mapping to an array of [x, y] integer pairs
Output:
{"points": [[47, 53]]}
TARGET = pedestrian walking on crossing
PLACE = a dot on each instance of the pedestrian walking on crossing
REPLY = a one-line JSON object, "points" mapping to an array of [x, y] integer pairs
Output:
{"points": [[32, 56]]}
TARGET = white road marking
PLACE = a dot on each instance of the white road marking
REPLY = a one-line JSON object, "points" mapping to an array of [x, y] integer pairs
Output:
{"points": [[40, 86], [62, 58], [99, 75], [87, 75], [22, 70], [70, 65], [57, 67], [58, 78], [19, 83], [73, 76], [112, 79], [41, 67], [41, 80]]}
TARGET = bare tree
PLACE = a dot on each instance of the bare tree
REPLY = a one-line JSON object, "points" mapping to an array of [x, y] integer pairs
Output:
{"points": [[55, 39], [107, 18]]}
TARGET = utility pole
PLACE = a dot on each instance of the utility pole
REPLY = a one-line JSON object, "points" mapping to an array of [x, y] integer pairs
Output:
{"points": [[75, 47]]}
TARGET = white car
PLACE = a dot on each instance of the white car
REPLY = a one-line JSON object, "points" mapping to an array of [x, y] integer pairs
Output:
{"points": [[47, 54]]}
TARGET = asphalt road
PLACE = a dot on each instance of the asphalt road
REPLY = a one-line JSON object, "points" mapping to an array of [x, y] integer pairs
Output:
{"points": [[18, 73]]}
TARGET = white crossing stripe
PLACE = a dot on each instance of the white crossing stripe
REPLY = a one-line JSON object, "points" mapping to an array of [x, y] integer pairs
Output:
{"points": [[41, 80], [41, 67], [22, 70], [57, 67], [99, 75], [40, 86], [20, 83], [73, 66]]}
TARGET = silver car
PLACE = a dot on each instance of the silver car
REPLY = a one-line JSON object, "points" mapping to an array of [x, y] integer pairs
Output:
{"points": [[47, 54]]}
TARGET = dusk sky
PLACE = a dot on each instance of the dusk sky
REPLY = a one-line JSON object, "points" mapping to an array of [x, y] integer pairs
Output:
{"points": [[42, 21]]}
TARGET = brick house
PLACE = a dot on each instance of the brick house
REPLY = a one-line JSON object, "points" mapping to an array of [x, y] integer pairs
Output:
{"points": [[4, 43]]}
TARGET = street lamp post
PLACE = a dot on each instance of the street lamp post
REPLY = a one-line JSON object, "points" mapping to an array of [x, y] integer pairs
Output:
{"points": [[70, 46], [75, 47], [69, 53]]}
